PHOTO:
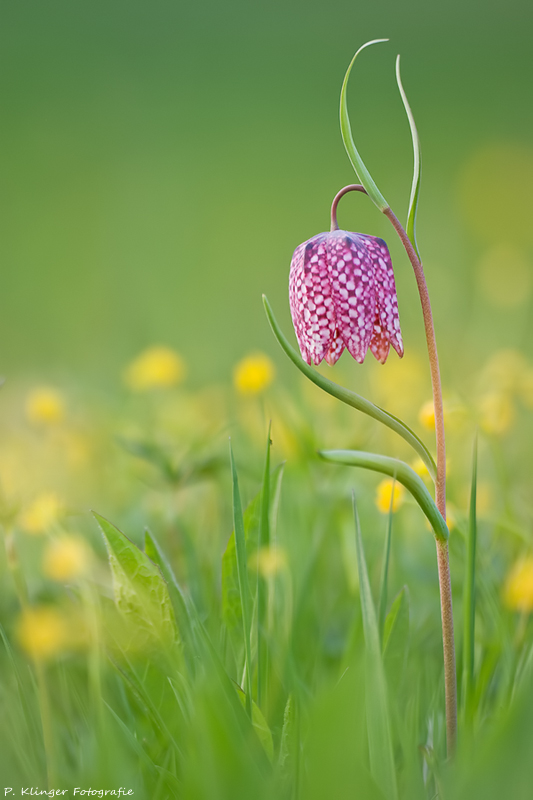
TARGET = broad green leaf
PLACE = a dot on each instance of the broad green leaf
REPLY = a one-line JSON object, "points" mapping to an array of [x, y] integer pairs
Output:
{"points": [[350, 398], [141, 593], [469, 595], [377, 710], [242, 574], [415, 188], [179, 601], [396, 637], [402, 473], [346, 131]]}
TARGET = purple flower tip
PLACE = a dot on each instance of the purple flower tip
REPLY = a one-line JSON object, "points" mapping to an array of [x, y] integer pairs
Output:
{"points": [[342, 294]]}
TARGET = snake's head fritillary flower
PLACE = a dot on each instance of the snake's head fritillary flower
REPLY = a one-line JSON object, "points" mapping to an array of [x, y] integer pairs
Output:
{"points": [[342, 294]]}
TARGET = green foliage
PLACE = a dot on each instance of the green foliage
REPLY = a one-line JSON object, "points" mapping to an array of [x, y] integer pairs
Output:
{"points": [[400, 471], [415, 188], [140, 591], [377, 710]]}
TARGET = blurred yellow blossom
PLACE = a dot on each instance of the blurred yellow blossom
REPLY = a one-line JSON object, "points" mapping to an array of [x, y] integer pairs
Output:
{"points": [[41, 514], [253, 374], [403, 385], [503, 371], [384, 495], [156, 367], [426, 416], [496, 412], [66, 558], [42, 632], [45, 406], [270, 561], [420, 468], [518, 587]]}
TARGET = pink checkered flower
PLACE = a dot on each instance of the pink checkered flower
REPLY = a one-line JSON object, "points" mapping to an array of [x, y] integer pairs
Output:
{"points": [[342, 294]]}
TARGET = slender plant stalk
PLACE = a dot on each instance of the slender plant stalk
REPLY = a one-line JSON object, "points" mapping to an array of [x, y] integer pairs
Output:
{"points": [[450, 678]]}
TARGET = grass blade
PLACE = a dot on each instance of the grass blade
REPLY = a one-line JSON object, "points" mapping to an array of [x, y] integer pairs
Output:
{"points": [[401, 472], [351, 398], [415, 188], [264, 541], [242, 573], [469, 597], [377, 711], [346, 130], [382, 605]]}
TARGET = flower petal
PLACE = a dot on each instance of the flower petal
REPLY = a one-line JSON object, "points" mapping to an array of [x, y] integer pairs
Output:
{"points": [[352, 288], [385, 286], [379, 344], [336, 349], [312, 308]]}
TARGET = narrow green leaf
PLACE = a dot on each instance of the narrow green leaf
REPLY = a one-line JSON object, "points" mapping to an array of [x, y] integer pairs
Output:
{"points": [[415, 187], [377, 710], [350, 398], [469, 596], [260, 725], [396, 638], [231, 597], [346, 131], [141, 593], [130, 738], [242, 572], [382, 605], [264, 541], [403, 474]]}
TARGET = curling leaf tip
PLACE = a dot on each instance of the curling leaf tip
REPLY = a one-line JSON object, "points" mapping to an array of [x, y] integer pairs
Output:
{"points": [[347, 137], [415, 187]]}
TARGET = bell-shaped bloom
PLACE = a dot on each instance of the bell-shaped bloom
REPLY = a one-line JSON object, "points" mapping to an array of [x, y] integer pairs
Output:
{"points": [[342, 294]]}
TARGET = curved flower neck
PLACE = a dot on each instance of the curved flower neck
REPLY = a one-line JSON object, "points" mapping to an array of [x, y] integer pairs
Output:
{"points": [[352, 187]]}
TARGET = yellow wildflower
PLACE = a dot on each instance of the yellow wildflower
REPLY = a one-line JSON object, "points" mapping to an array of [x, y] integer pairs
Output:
{"points": [[156, 367], [66, 558], [41, 514], [45, 406], [270, 561], [518, 587], [426, 416], [42, 632], [253, 374], [420, 468], [384, 494], [496, 412]]}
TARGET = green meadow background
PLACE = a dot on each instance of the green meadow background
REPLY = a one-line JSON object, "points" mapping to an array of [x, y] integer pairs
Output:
{"points": [[161, 160]]}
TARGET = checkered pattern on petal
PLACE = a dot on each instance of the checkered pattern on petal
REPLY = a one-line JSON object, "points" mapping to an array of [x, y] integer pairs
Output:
{"points": [[386, 300], [352, 289], [311, 304], [379, 343], [336, 349]]}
